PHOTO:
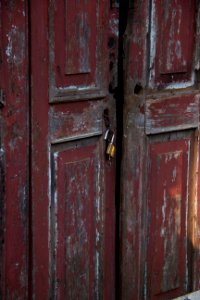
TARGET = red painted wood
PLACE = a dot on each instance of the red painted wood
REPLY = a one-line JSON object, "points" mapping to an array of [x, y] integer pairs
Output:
{"points": [[68, 120], [167, 258], [14, 160], [39, 172], [136, 64], [160, 239], [80, 27], [77, 219], [78, 44], [73, 207], [171, 113], [172, 44], [135, 48]]}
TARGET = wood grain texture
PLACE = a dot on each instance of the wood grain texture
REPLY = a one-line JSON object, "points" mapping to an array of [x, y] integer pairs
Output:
{"points": [[77, 50], [159, 206], [73, 207], [171, 114], [172, 42], [76, 223], [168, 253]]}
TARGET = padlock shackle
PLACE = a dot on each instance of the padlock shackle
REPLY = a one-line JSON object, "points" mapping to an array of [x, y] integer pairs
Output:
{"points": [[106, 135], [112, 139]]}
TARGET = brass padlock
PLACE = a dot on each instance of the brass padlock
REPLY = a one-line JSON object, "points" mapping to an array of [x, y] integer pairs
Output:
{"points": [[111, 149]]}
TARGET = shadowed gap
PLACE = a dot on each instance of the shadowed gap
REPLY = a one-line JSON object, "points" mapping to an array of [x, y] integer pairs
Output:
{"points": [[119, 95]]}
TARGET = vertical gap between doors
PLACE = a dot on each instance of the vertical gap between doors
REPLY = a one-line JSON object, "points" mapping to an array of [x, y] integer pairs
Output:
{"points": [[123, 13]]}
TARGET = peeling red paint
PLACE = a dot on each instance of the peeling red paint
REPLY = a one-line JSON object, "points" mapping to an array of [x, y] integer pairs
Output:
{"points": [[172, 40]]}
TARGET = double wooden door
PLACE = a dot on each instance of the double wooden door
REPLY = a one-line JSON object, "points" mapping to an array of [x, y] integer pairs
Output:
{"points": [[59, 90]]}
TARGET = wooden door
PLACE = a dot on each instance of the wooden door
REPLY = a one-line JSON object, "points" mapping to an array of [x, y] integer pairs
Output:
{"points": [[73, 67], [14, 151], [160, 205]]}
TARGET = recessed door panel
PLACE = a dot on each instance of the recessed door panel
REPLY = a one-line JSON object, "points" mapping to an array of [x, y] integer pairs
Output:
{"points": [[169, 183], [76, 220], [172, 42], [76, 47]]}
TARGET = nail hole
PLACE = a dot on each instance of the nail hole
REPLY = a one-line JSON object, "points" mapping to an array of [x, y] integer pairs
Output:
{"points": [[138, 88], [111, 43]]}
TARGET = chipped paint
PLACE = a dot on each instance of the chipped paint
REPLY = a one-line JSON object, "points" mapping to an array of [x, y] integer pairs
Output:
{"points": [[182, 85], [164, 114], [153, 35], [174, 174], [164, 206], [80, 51], [84, 42], [114, 26], [173, 69], [80, 225], [66, 125], [15, 48]]}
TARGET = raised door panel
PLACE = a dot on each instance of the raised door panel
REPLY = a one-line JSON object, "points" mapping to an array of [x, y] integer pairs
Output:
{"points": [[169, 191], [77, 50], [77, 212], [172, 43]]}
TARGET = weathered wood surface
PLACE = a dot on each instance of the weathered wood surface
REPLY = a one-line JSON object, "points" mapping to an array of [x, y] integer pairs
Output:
{"points": [[14, 150], [73, 210], [160, 200]]}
